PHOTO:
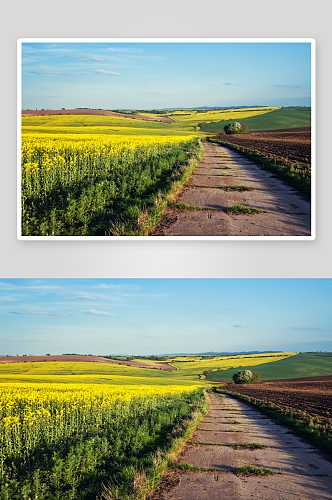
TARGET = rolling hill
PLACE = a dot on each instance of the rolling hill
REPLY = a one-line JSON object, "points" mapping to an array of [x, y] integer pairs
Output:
{"points": [[298, 366], [282, 118]]}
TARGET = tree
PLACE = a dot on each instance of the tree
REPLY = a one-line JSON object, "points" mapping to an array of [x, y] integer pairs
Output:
{"points": [[243, 377], [232, 128], [235, 128]]}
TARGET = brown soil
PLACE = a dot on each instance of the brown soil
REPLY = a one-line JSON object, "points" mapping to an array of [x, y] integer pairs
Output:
{"points": [[307, 398], [97, 359], [293, 145], [94, 112]]}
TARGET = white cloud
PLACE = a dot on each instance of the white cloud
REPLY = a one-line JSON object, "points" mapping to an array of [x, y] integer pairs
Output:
{"points": [[80, 297], [113, 49], [103, 72], [36, 313], [240, 325], [97, 313], [89, 59]]}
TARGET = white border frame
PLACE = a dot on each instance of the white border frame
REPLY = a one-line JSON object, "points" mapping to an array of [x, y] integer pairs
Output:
{"points": [[312, 41]]}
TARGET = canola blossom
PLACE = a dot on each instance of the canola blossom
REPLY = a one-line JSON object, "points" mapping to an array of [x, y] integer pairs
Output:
{"points": [[49, 151], [30, 414], [74, 184]]}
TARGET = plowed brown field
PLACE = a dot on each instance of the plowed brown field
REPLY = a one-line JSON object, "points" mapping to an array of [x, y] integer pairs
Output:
{"points": [[41, 112], [98, 359], [307, 398], [292, 145]]}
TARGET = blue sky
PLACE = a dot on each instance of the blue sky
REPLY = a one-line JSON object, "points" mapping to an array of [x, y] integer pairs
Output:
{"points": [[155, 316], [161, 75]]}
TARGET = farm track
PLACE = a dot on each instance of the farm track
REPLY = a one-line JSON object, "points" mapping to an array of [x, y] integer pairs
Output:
{"points": [[283, 211], [300, 471]]}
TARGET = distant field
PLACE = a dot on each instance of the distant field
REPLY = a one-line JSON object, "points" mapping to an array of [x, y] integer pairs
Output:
{"points": [[47, 112], [85, 359], [300, 365], [282, 118], [179, 123], [186, 373], [71, 372]]}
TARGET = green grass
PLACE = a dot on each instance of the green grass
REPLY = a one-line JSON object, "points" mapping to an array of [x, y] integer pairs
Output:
{"points": [[241, 209], [249, 469], [140, 483], [278, 119], [300, 365]]}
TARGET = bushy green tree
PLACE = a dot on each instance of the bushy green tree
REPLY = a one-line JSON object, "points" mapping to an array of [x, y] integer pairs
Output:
{"points": [[243, 377], [233, 128]]}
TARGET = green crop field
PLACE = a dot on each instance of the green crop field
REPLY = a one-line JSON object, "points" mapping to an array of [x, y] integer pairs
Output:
{"points": [[277, 119], [298, 366]]}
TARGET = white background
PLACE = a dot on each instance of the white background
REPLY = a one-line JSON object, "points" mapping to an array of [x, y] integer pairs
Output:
{"points": [[166, 19]]}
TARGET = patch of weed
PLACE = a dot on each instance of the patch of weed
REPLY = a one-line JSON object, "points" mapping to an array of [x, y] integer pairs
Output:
{"points": [[241, 209], [249, 469]]}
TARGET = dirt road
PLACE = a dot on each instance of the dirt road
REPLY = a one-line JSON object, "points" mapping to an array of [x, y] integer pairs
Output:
{"points": [[299, 470], [282, 210]]}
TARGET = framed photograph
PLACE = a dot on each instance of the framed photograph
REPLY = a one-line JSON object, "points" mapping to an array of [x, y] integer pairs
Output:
{"points": [[184, 139]]}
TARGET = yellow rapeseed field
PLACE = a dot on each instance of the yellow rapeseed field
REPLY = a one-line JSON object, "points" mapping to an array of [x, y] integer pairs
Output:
{"points": [[31, 411]]}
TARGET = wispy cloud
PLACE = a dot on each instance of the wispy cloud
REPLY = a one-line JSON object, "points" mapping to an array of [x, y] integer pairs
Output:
{"points": [[80, 297], [228, 308], [117, 49], [61, 314], [230, 83], [91, 59], [60, 73], [97, 313], [35, 313], [104, 72], [117, 287], [240, 325], [218, 68]]}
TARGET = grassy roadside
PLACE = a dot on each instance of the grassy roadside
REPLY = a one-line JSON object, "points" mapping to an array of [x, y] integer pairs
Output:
{"points": [[144, 482], [296, 178], [149, 218], [318, 434]]}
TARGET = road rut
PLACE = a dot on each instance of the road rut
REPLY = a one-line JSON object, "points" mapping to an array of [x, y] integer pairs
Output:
{"points": [[300, 471], [283, 211]]}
